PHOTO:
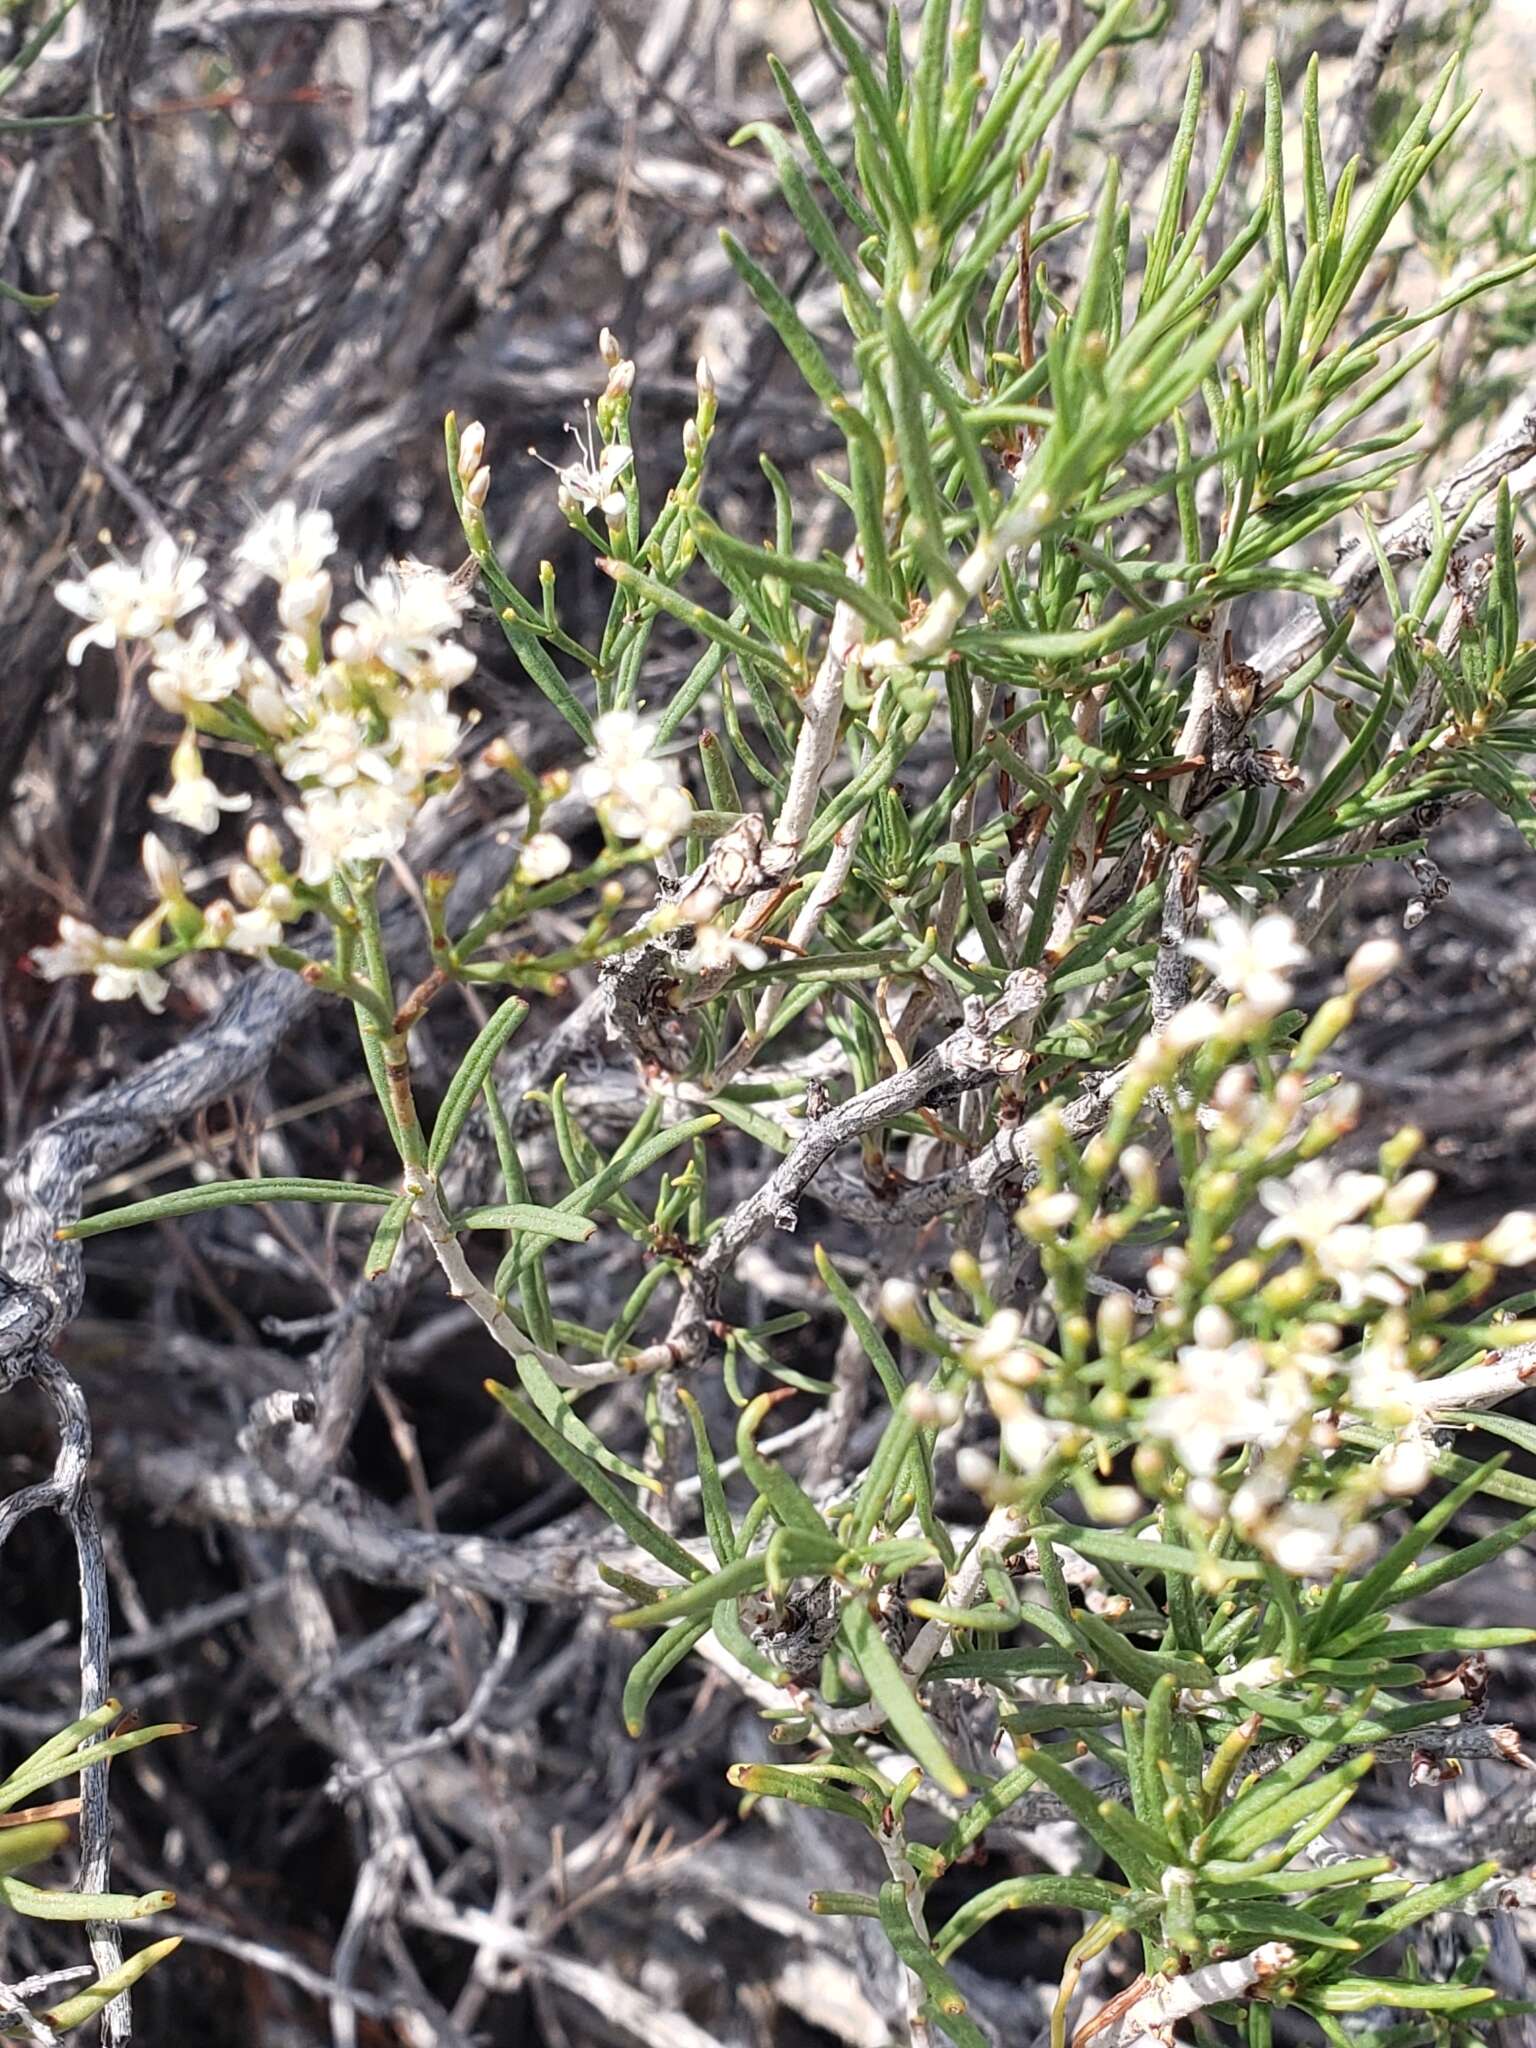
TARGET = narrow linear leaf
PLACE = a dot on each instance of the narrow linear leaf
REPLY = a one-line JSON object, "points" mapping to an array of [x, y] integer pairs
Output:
{"points": [[226, 1194]]}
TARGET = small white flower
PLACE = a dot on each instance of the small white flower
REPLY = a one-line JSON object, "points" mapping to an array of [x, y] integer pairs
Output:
{"points": [[1381, 1383], [119, 984], [121, 602], [1029, 1437], [545, 856], [1377, 1262], [81, 949], [326, 832], [365, 821], [595, 486], [636, 795], [1215, 1401], [201, 668], [1252, 960], [288, 545], [400, 618], [253, 931], [1312, 1202], [193, 799], [714, 948], [336, 750], [997, 1351], [1309, 1539], [592, 482], [423, 738], [444, 665]]}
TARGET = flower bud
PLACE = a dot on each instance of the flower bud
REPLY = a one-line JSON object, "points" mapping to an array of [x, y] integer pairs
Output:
{"points": [[1149, 1468], [1404, 1468], [1116, 1321], [264, 851], [162, 869], [1045, 1215], [1370, 963], [1213, 1328], [471, 450], [1233, 1089], [303, 601], [704, 377], [264, 701], [245, 885], [933, 1408], [608, 347], [1512, 1240], [965, 1269], [899, 1303], [1237, 1281], [973, 1468], [218, 921], [478, 489], [1402, 1146], [1404, 1201], [1315, 1340], [1117, 1505]]}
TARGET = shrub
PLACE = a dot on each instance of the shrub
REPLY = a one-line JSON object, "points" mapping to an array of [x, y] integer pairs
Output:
{"points": [[961, 887]]}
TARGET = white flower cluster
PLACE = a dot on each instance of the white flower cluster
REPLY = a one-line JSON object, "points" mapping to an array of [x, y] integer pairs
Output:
{"points": [[1241, 1427], [123, 601], [359, 733], [1320, 1212], [637, 794], [122, 968]]}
